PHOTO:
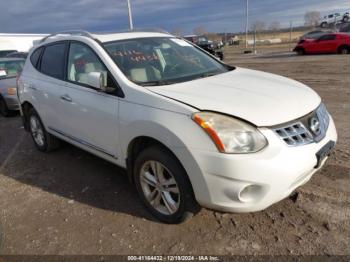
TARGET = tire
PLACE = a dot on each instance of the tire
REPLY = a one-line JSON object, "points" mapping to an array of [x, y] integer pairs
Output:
{"points": [[173, 200], [44, 141], [4, 111], [345, 19], [344, 50], [300, 51], [323, 25]]}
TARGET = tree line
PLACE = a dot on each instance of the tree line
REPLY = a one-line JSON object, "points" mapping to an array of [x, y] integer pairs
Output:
{"points": [[311, 19]]}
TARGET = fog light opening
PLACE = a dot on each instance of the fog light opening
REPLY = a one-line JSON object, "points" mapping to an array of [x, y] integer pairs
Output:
{"points": [[249, 193]]}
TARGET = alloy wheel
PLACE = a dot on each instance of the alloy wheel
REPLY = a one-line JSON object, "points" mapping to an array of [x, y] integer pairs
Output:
{"points": [[37, 131], [160, 187], [344, 51]]}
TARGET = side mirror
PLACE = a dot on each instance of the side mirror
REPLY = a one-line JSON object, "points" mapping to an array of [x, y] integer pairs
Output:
{"points": [[96, 80]]}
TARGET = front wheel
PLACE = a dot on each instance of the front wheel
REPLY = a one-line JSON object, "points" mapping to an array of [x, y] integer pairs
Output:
{"points": [[345, 19], [300, 51], [163, 186], [324, 25]]}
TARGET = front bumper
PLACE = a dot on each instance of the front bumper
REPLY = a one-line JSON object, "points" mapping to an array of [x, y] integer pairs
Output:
{"points": [[275, 172]]}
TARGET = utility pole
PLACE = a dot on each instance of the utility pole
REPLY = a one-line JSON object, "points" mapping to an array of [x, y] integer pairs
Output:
{"points": [[130, 16], [290, 35], [254, 40], [246, 24]]}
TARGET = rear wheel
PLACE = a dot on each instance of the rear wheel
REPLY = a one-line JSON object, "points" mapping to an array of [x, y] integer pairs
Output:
{"points": [[4, 111], [345, 19], [44, 141], [344, 50], [324, 24], [163, 186]]}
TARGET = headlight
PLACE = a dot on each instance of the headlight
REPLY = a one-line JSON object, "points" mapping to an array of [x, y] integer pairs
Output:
{"points": [[230, 135], [11, 91]]}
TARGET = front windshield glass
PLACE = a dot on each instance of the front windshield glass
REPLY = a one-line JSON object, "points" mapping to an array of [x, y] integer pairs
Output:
{"points": [[162, 60], [10, 69]]}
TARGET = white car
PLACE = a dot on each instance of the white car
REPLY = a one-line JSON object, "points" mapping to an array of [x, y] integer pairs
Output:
{"points": [[188, 128], [334, 18]]}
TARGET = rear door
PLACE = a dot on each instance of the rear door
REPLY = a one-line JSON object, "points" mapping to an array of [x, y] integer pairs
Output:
{"points": [[326, 44], [89, 116], [45, 85]]}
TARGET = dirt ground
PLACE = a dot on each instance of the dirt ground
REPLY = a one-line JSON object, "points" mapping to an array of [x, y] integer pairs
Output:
{"points": [[70, 202]]}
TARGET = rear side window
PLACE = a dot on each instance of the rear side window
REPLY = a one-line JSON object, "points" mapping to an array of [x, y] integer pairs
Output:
{"points": [[34, 58], [327, 37], [52, 61]]}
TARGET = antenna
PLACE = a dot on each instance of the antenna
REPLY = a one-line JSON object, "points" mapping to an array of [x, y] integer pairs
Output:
{"points": [[131, 25]]}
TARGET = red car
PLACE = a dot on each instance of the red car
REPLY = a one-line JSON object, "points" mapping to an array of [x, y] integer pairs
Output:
{"points": [[328, 43]]}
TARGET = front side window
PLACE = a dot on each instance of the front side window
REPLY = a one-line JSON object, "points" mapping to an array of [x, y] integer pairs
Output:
{"points": [[52, 61], [82, 61], [10, 68], [162, 60]]}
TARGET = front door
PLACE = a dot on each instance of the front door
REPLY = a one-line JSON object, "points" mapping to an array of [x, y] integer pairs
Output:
{"points": [[90, 116]]}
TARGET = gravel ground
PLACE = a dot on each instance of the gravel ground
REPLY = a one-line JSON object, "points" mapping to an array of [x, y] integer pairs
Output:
{"points": [[70, 202]]}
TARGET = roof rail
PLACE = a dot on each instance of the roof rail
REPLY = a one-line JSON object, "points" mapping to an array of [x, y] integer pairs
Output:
{"points": [[154, 30], [71, 32]]}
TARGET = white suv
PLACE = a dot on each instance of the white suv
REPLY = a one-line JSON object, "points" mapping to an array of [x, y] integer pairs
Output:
{"points": [[188, 128], [334, 18]]}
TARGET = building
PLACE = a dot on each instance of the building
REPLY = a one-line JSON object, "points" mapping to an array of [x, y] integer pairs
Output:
{"points": [[18, 42]]}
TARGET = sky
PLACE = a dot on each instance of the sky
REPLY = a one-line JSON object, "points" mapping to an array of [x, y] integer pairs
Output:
{"points": [[48, 16]]}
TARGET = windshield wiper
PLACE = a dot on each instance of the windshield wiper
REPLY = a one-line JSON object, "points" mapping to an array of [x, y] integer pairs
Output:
{"points": [[207, 75], [169, 82], [156, 83]]}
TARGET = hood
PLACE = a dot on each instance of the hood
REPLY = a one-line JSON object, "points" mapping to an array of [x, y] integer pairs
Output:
{"points": [[261, 98]]}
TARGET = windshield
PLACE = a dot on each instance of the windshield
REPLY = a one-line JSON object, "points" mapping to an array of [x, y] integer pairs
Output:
{"points": [[162, 61], [10, 69]]}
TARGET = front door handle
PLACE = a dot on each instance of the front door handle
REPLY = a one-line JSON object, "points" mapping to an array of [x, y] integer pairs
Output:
{"points": [[66, 98]]}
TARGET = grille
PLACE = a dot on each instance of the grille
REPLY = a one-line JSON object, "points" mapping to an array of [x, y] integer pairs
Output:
{"points": [[308, 129], [295, 134]]}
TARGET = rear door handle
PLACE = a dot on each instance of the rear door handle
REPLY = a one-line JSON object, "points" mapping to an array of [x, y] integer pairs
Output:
{"points": [[66, 98]]}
